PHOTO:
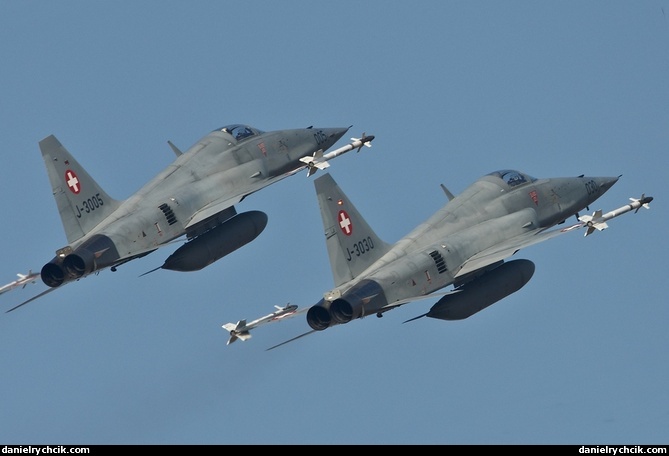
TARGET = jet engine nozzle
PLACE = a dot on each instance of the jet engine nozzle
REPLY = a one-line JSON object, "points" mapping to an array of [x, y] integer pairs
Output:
{"points": [[96, 253], [318, 316], [75, 265], [52, 275], [363, 299]]}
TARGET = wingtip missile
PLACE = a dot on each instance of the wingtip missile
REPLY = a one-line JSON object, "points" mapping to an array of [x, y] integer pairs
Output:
{"points": [[241, 329], [21, 281], [597, 221], [320, 160]]}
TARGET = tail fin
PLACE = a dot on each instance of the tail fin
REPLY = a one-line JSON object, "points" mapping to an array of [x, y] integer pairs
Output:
{"points": [[352, 245], [82, 203]]}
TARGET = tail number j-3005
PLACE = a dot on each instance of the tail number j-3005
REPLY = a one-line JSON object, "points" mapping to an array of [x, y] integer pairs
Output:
{"points": [[359, 248], [89, 205]]}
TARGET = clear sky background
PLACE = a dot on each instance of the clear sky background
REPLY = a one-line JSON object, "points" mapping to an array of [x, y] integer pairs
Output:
{"points": [[452, 91]]}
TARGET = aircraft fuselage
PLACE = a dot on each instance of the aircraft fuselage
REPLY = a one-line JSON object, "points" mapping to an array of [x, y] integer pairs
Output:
{"points": [[444, 250], [192, 196]]}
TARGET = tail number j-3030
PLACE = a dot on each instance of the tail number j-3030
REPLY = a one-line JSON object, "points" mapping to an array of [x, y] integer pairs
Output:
{"points": [[359, 248]]}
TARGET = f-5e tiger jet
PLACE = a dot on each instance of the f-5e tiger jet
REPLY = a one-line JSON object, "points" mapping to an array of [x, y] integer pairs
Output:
{"points": [[466, 244], [194, 197]]}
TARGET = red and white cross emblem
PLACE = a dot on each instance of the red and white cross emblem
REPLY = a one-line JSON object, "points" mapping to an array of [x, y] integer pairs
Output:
{"points": [[345, 223], [72, 181]]}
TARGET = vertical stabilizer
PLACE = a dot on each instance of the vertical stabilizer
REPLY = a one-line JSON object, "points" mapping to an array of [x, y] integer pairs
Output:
{"points": [[82, 203], [352, 245]]}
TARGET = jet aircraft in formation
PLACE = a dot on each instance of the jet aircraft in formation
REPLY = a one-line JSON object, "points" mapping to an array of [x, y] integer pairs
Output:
{"points": [[465, 244], [195, 197]]}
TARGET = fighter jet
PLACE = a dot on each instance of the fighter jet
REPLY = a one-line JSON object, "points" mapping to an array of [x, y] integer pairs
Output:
{"points": [[22, 281], [194, 197], [466, 244]]}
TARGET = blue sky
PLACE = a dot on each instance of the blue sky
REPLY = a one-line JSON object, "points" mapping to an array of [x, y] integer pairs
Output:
{"points": [[451, 90]]}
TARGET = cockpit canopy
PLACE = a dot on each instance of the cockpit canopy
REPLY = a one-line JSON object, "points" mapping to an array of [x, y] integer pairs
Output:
{"points": [[240, 131], [513, 178]]}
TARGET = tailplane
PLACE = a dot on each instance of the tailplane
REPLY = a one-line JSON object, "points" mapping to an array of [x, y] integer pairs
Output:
{"points": [[351, 243], [82, 203]]}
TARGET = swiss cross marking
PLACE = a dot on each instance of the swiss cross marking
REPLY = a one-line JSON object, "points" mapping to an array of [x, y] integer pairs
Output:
{"points": [[72, 181], [345, 223]]}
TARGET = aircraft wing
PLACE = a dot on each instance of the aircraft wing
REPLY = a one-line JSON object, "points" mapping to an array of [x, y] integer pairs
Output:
{"points": [[213, 209], [222, 204], [596, 221], [508, 248], [318, 161]]}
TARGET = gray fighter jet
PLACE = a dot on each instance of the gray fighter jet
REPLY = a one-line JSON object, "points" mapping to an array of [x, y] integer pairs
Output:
{"points": [[465, 244], [194, 197]]}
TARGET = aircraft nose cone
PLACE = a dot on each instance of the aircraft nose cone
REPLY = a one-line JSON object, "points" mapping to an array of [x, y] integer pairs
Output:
{"points": [[606, 183], [327, 137], [336, 133]]}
